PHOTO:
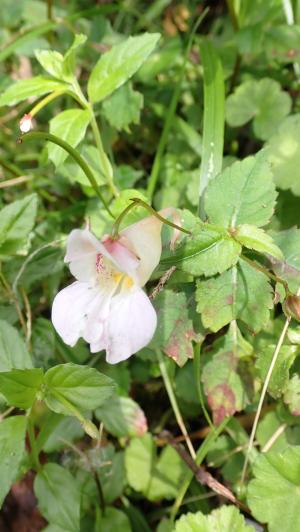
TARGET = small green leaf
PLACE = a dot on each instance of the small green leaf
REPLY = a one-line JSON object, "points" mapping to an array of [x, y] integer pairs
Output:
{"points": [[261, 100], [20, 386], [244, 193], [239, 293], [26, 88], [175, 331], [292, 395], [84, 388], [68, 66], [121, 416], [13, 351], [139, 456], [283, 151], [253, 237], [167, 475], [274, 494], [289, 268], [129, 104], [70, 126], [113, 520], [58, 497], [224, 519], [209, 250], [12, 447], [51, 61], [16, 222], [119, 64], [280, 375]]}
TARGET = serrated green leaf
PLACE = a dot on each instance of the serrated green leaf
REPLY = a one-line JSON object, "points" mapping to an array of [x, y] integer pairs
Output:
{"points": [[274, 494], [224, 519], [280, 375], [119, 64], [289, 268], [253, 237], [222, 375], [16, 222], [283, 151], [121, 416], [13, 351], [239, 293], [243, 194], [129, 104], [12, 447], [70, 126], [26, 88], [58, 497], [20, 386], [175, 331], [261, 100], [83, 387], [209, 250]]}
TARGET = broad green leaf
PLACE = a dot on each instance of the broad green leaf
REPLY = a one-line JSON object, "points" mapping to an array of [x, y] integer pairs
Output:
{"points": [[209, 250], [113, 477], [281, 43], [16, 222], [244, 193], [289, 268], [51, 61], [274, 494], [57, 431], [58, 497], [119, 64], [82, 387], [121, 416], [139, 457], [12, 447], [284, 154], [240, 293], [224, 373], [13, 351], [114, 520], [129, 104], [280, 375], [253, 237], [292, 395], [26, 88], [261, 100], [70, 126], [224, 519], [175, 331], [20, 386], [167, 475]]}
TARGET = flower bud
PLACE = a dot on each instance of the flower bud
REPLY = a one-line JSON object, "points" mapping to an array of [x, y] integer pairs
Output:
{"points": [[292, 307], [90, 428], [26, 123]]}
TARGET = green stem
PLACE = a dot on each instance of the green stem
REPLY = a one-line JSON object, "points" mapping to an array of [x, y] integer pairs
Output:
{"points": [[10, 167], [153, 212], [34, 135], [103, 157], [173, 401], [170, 114], [42, 103], [264, 270], [200, 456], [197, 368], [32, 441]]}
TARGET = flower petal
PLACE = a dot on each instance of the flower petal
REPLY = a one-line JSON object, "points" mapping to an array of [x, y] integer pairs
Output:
{"points": [[130, 326], [70, 311], [125, 258]]}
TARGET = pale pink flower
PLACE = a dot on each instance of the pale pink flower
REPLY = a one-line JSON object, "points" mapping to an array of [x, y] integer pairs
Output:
{"points": [[107, 305], [26, 123]]}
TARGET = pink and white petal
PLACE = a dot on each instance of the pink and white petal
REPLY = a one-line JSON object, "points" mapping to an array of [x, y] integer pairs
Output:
{"points": [[126, 259], [98, 312], [130, 326], [70, 311], [145, 241]]}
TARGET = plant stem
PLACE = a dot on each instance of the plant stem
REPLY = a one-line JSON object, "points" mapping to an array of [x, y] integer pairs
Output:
{"points": [[42, 103], [263, 394], [197, 368], [32, 441], [174, 404], [49, 10], [63, 144], [262, 269]]}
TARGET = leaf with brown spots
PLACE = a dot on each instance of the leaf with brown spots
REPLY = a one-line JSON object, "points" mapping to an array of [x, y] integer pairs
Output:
{"points": [[225, 376], [175, 331]]}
